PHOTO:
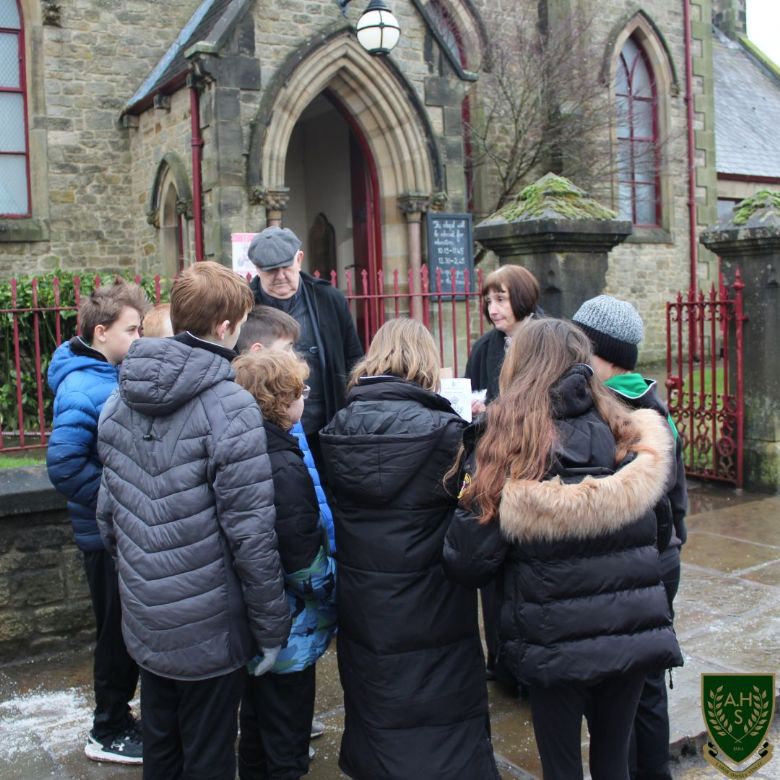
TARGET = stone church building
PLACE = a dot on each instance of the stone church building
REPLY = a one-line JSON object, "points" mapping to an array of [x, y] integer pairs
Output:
{"points": [[142, 135]]}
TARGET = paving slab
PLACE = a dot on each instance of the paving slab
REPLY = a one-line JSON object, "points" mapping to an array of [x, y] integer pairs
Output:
{"points": [[728, 620]]}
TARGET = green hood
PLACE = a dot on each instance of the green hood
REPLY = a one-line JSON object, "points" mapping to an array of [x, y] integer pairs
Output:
{"points": [[633, 386], [630, 385]]}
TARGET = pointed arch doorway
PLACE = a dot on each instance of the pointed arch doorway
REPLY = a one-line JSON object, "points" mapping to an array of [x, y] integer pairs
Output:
{"points": [[392, 132], [334, 204]]}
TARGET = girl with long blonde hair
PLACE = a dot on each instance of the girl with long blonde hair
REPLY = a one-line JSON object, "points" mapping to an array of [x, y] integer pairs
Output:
{"points": [[558, 505], [409, 654]]}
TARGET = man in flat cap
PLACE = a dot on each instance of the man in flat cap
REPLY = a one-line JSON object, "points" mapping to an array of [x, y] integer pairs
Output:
{"points": [[328, 340]]}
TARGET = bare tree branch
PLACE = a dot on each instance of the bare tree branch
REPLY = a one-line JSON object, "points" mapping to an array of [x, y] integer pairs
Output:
{"points": [[542, 105]]}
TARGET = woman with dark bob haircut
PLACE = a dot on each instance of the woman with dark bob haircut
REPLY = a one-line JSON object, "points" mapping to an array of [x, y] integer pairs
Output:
{"points": [[509, 296]]}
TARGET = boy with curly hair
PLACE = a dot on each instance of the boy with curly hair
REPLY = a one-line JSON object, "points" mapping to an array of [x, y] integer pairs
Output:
{"points": [[277, 709]]}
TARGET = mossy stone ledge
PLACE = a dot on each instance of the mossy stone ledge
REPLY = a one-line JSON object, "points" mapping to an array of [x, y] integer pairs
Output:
{"points": [[561, 235], [551, 215], [752, 227]]}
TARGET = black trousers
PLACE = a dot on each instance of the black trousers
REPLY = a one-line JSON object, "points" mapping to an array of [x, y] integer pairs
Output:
{"points": [[190, 726], [115, 672], [609, 706], [649, 756], [276, 714]]}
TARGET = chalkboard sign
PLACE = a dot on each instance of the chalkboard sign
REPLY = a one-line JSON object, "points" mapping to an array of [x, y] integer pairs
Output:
{"points": [[450, 247]]}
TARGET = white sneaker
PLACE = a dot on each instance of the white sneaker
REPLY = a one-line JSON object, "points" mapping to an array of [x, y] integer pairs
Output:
{"points": [[317, 728], [312, 753]]}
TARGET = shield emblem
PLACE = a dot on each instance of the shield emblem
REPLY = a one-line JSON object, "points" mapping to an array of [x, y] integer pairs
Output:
{"points": [[738, 711]]}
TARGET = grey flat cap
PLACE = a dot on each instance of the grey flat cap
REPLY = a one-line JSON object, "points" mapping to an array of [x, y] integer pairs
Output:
{"points": [[274, 248]]}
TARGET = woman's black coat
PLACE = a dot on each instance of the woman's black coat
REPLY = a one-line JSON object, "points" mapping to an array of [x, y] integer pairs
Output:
{"points": [[409, 653], [579, 578], [485, 361]]}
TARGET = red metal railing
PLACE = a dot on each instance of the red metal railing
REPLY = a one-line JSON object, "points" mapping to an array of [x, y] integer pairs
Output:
{"points": [[448, 315], [454, 319], [704, 381], [31, 330]]}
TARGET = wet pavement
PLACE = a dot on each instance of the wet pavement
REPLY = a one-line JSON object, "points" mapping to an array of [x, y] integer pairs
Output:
{"points": [[728, 619]]}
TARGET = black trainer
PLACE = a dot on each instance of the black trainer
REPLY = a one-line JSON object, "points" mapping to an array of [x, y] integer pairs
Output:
{"points": [[124, 748]]}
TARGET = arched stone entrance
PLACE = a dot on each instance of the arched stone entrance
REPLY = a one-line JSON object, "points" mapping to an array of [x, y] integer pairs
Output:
{"points": [[383, 110]]}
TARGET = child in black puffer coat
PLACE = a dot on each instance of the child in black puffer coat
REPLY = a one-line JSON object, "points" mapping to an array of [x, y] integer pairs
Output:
{"points": [[559, 503], [614, 328], [410, 658], [277, 707]]}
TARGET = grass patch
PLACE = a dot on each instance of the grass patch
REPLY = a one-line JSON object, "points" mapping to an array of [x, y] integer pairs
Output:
{"points": [[14, 460]]}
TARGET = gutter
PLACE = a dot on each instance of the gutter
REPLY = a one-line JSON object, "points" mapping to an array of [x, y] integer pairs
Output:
{"points": [[693, 240], [196, 142], [750, 179]]}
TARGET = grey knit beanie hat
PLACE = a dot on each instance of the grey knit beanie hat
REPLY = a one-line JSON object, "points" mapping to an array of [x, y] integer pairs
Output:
{"points": [[614, 327]]}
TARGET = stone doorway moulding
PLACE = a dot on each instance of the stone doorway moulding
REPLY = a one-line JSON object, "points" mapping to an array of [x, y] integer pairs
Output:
{"points": [[384, 107]]}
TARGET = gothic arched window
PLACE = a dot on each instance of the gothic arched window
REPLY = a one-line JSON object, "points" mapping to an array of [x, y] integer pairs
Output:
{"points": [[14, 150], [637, 132], [447, 27]]}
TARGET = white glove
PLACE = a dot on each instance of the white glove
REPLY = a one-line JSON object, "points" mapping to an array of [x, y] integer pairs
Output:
{"points": [[263, 662]]}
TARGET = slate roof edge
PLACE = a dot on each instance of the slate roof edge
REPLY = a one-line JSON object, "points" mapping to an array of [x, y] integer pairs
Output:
{"points": [[149, 82], [760, 57], [223, 28]]}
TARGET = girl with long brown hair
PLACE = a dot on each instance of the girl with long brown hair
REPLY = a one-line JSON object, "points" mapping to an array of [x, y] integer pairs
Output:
{"points": [[557, 505], [510, 298]]}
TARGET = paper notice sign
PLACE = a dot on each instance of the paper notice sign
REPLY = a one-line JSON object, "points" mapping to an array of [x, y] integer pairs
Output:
{"points": [[458, 393], [241, 263]]}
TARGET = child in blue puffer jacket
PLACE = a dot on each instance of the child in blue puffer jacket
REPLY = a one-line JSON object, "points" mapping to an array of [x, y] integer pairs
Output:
{"points": [[277, 708], [82, 375]]}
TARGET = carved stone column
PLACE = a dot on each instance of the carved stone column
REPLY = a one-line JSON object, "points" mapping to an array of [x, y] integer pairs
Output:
{"points": [[274, 201], [412, 206]]}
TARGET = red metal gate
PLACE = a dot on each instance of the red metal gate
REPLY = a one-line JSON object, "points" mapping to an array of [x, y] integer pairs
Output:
{"points": [[705, 380]]}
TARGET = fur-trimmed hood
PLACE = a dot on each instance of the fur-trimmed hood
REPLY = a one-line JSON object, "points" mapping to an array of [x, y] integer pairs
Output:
{"points": [[552, 510]]}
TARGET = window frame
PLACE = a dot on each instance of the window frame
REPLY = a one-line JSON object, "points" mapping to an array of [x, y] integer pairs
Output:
{"points": [[22, 89], [171, 219], [171, 227], [634, 140]]}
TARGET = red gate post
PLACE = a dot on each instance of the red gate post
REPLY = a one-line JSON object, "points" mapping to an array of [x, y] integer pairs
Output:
{"points": [[17, 363], [739, 319]]}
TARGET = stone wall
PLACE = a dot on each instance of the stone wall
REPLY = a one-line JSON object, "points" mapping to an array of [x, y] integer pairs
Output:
{"points": [[92, 178], [654, 264], [84, 60], [44, 600], [159, 132]]}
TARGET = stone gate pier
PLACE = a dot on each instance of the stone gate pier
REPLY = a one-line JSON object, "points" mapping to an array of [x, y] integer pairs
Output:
{"points": [[749, 240]]}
